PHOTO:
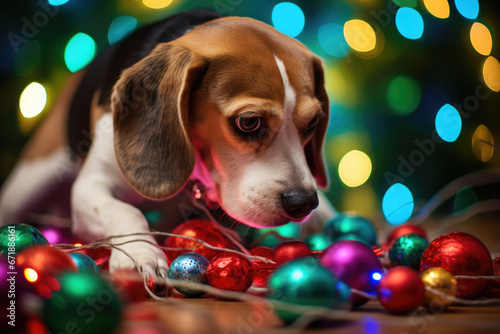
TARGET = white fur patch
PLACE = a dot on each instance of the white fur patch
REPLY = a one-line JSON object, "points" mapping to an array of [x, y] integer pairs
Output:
{"points": [[290, 96]]}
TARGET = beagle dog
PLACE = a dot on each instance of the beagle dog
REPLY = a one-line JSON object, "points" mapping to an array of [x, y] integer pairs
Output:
{"points": [[228, 102]]}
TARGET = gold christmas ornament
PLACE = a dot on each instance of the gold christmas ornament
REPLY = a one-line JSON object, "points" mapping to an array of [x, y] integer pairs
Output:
{"points": [[440, 280]]}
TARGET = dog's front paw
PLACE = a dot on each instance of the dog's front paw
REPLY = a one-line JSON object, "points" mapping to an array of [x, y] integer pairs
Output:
{"points": [[148, 259]]}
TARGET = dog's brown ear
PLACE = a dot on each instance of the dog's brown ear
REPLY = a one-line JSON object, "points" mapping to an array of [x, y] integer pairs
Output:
{"points": [[314, 148], [150, 104]]}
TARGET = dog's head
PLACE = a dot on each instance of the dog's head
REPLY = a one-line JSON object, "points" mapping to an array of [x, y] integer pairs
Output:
{"points": [[248, 99]]}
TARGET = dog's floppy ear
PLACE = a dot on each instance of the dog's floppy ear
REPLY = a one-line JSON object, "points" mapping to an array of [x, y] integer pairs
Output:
{"points": [[313, 149], [150, 104]]}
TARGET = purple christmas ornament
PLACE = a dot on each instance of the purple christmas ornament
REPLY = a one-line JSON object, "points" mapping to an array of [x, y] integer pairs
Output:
{"points": [[355, 264]]}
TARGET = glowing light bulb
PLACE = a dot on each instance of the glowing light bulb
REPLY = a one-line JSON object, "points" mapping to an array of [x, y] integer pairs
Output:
{"points": [[397, 204], [355, 168], [31, 275], [360, 35], [409, 23], [33, 100], [79, 52], [157, 4], [288, 18]]}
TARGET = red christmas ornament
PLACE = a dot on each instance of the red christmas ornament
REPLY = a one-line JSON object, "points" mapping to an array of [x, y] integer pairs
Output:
{"points": [[128, 283], [405, 230], [401, 290], [461, 254], [230, 271], [494, 285], [42, 264], [261, 269], [202, 229], [291, 250], [100, 255]]}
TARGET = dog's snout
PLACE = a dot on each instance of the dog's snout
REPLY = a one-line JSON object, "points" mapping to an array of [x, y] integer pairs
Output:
{"points": [[299, 202]]}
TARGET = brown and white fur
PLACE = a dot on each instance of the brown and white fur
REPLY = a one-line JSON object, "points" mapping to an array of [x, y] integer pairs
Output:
{"points": [[171, 118]]}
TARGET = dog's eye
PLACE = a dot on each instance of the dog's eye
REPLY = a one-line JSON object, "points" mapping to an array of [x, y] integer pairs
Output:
{"points": [[312, 124], [248, 123]]}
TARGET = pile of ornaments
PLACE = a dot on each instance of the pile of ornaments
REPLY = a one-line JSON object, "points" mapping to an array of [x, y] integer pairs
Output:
{"points": [[47, 289], [414, 273], [55, 287]]}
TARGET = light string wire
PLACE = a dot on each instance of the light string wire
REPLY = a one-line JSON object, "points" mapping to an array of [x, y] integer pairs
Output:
{"points": [[306, 314], [228, 233], [481, 177], [164, 234]]}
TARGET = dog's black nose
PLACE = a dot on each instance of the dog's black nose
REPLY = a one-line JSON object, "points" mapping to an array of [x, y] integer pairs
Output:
{"points": [[299, 202]]}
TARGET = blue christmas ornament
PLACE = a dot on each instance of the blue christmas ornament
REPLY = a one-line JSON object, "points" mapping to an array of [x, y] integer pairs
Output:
{"points": [[190, 267], [84, 263]]}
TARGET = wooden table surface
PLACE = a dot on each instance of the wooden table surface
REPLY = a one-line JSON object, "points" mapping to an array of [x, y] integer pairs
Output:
{"points": [[209, 316]]}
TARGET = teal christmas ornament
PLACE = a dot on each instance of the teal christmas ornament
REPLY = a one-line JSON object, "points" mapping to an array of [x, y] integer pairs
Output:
{"points": [[317, 242], [84, 263], [16, 237], [350, 236], [267, 236], [350, 223], [407, 251], [84, 304], [189, 267], [304, 282]]}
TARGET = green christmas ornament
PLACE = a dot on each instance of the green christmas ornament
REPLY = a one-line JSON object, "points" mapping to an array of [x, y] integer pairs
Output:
{"points": [[317, 242], [407, 251], [84, 304], [349, 223], [16, 237], [304, 282]]}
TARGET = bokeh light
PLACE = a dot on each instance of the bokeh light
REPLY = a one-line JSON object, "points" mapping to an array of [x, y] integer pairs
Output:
{"points": [[120, 28], [483, 144], [406, 3], [31, 275], [340, 87], [288, 18], [362, 200], [331, 38], [465, 198], [409, 23], [79, 52], [355, 168], [438, 8], [491, 73], [360, 35], [33, 100], [57, 2], [156, 4], [28, 58], [52, 235], [397, 204], [480, 38], [468, 8], [404, 95], [448, 123]]}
